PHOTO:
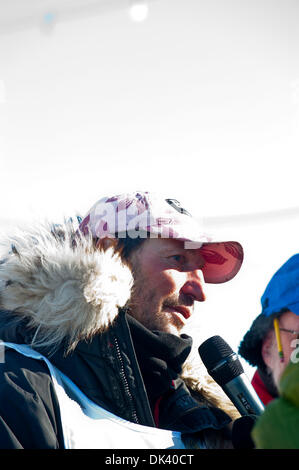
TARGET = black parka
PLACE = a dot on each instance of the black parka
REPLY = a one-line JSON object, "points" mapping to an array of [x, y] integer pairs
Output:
{"points": [[65, 301]]}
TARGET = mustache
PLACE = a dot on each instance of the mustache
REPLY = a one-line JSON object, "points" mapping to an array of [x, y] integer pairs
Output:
{"points": [[175, 300]]}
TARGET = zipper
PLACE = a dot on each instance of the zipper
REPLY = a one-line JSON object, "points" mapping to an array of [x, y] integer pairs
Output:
{"points": [[125, 383]]}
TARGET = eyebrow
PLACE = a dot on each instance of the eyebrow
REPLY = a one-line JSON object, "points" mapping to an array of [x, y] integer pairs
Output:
{"points": [[178, 249], [168, 249], [174, 248]]}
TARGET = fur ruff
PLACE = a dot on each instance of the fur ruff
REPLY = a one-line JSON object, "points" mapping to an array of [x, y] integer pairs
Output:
{"points": [[68, 293], [64, 292]]}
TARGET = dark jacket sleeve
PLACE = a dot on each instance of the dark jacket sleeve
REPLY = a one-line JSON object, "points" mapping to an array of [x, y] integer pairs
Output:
{"points": [[29, 409]]}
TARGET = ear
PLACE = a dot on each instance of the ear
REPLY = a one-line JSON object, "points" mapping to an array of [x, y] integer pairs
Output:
{"points": [[105, 243], [267, 349]]}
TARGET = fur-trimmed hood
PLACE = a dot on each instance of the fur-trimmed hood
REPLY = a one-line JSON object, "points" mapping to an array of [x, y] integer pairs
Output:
{"points": [[56, 281], [66, 290]]}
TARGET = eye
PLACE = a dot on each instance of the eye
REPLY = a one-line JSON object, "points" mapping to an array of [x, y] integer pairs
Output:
{"points": [[178, 258]]}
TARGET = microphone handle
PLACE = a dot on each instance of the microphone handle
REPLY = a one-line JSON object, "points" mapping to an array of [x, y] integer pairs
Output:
{"points": [[244, 397]]}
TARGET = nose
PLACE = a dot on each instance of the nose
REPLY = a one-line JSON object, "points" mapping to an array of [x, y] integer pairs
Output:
{"points": [[194, 286]]}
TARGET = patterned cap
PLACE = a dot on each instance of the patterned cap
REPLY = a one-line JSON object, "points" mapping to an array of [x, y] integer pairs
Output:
{"points": [[147, 215]]}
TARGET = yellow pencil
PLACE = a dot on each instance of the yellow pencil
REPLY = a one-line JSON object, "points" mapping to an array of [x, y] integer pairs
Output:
{"points": [[278, 339]]}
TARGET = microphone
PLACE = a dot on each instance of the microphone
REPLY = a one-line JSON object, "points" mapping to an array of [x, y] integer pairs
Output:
{"points": [[225, 368]]}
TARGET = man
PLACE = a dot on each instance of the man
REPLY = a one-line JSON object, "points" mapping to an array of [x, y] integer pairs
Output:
{"points": [[265, 347], [92, 325]]}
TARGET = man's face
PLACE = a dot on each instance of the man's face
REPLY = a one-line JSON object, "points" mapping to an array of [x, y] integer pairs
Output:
{"points": [[167, 282], [289, 321]]}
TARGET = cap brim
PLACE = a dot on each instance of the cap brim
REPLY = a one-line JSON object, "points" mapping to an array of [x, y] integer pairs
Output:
{"points": [[222, 260]]}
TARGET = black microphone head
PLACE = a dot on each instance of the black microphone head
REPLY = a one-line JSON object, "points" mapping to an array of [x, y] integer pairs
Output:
{"points": [[214, 350], [220, 360]]}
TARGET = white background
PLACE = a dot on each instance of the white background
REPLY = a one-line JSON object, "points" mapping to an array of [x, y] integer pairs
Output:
{"points": [[199, 101]]}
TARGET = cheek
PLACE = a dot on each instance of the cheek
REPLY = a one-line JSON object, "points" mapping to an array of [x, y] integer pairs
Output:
{"points": [[173, 281], [166, 282]]}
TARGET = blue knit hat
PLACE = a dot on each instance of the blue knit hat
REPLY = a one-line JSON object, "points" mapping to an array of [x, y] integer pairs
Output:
{"points": [[282, 292]]}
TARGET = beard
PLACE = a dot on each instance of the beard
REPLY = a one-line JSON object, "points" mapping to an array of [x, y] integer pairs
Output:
{"points": [[147, 307], [148, 303]]}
